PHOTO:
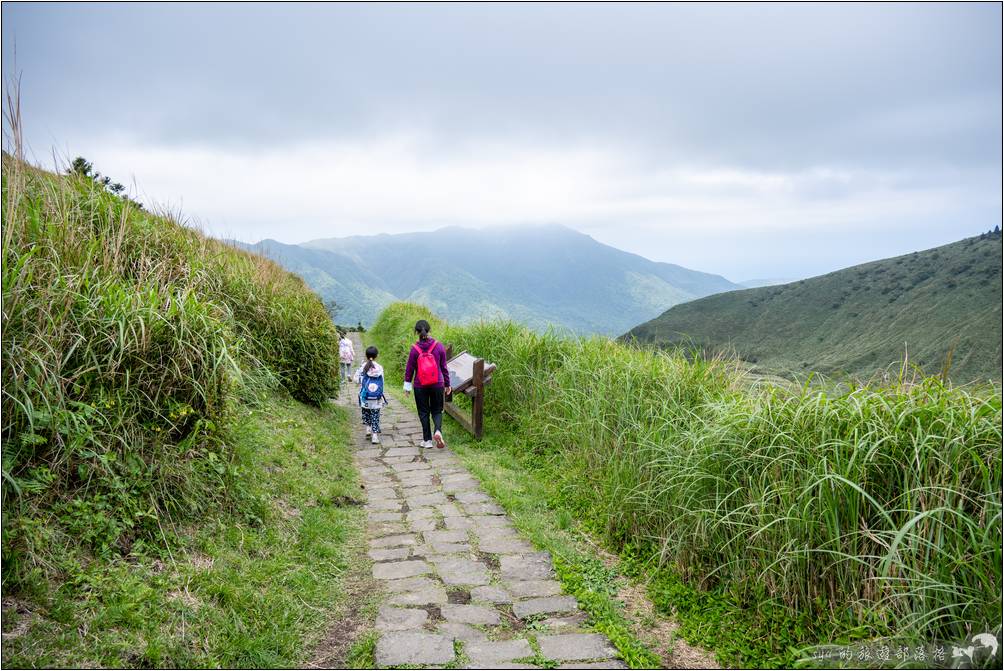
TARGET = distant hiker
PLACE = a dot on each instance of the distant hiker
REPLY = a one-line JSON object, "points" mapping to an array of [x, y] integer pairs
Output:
{"points": [[346, 354], [427, 366], [371, 397]]}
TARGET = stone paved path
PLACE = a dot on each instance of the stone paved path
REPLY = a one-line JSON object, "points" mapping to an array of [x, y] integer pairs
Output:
{"points": [[453, 566]]}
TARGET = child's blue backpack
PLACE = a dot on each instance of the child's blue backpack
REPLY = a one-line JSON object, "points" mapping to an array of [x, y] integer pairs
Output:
{"points": [[372, 388]]}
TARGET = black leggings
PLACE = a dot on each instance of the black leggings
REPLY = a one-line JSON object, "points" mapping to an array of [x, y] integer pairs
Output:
{"points": [[429, 401]]}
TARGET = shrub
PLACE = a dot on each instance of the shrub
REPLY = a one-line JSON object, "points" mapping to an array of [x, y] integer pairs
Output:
{"points": [[126, 341], [873, 507]]}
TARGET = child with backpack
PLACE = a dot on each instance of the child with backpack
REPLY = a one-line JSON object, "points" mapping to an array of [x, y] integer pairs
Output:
{"points": [[427, 367], [346, 354], [371, 397]]}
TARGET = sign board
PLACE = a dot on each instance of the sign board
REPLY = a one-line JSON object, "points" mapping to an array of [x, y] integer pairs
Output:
{"points": [[461, 369], [468, 375]]}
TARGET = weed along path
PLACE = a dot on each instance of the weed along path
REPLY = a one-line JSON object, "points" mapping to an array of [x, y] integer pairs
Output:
{"points": [[461, 587]]}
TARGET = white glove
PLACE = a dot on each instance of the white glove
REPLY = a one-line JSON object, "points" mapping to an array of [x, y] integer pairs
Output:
{"points": [[407, 387]]}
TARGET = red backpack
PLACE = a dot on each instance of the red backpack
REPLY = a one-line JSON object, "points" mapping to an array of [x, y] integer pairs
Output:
{"points": [[428, 368]]}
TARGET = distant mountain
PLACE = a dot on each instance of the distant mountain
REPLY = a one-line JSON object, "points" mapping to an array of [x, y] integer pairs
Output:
{"points": [[764, 282], [861, 319], [540, 276]]}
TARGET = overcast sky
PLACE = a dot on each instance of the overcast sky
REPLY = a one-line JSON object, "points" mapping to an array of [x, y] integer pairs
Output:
{"points": [[752, 141]]}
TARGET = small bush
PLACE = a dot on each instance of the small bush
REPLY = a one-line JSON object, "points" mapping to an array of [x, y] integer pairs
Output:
{"points": [[127, 339], [875, 509]]}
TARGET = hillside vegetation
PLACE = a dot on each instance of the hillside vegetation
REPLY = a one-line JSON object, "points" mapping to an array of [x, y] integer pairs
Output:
{"points": [[939, 309], [133, 350], [537, 275], [764, 518]]}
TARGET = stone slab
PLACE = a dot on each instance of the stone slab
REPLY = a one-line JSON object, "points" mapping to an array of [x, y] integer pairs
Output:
{"points": [[483, 521], [469, 614], [493, 533], [461, 632], [534, 566], [606, 664], [449, 510], [420, 513], [431, 549], [462, 572], [427, 524], [389, 554], [384, 517], [403, 569], [400, 619], [457, 477], [410, 466], [489, 653], [460, 485], [387, 529], [454, 523], [483, 509], [471, 496], [504, 546], [445, 536], [426, 499], [490, 594], [402, 452], [394, 541], [524, 589], [565, 622], [418, 490], [420, 597], [572, 647], [385, 505], [410, 584], [410, 647], [547, 604]]}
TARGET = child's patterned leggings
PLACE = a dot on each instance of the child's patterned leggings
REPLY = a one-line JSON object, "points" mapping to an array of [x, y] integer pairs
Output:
{"points": [[371, 418]]}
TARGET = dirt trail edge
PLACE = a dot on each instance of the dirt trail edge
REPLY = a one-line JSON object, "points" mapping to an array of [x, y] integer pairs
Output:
{"points": [[462, 588]]}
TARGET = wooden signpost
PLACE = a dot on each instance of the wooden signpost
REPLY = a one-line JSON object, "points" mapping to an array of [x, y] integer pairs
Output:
{"points": [[468, 376]]}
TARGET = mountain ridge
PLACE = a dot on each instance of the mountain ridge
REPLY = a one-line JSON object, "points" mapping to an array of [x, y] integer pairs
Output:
{"points": [[543, 276], [932, 308]]}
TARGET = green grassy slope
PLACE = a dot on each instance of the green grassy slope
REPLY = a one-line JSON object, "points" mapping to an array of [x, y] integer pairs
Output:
{"points": [[133, 349], [767, 519], [233, 590], [859, 320], [539, 276]]}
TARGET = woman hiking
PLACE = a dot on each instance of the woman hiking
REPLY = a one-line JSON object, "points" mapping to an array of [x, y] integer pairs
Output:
{"points": [[427, 367]]}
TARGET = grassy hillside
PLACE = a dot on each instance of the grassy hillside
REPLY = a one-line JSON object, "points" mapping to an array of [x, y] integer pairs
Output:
{"points": [[539, 276], [133, 349], [858, 321], [766, 519]]}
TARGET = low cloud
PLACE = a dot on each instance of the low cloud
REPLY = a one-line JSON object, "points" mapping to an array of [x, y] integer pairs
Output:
{"points": [[405, 182]]}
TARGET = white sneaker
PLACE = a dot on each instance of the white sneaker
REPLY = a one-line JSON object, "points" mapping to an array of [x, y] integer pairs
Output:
{"points": [[438, 437], [425, 444], [376, 439], [369, 430]]}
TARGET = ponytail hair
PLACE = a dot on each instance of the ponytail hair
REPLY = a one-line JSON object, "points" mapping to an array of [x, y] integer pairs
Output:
{"points": [[371, 354], [422, 328]]}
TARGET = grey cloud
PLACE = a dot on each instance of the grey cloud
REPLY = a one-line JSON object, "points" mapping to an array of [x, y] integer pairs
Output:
{"points": [[777, 84], [858, 93]]}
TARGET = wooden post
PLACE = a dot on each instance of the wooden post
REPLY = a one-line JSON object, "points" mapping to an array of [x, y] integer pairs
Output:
{"points": [[478, 402], [449, 355]]}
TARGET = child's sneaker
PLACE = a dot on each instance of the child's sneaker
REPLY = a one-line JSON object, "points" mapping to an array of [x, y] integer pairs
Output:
{"points": [[369, 430], [438, 437], [376, 439]]}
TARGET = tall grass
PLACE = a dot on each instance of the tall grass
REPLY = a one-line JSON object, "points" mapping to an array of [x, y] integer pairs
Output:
{"points": [[127, 340], [874, 508]]}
